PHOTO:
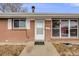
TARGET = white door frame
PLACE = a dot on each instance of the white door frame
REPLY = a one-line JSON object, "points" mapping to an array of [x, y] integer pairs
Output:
{"points": [[37, 37]]}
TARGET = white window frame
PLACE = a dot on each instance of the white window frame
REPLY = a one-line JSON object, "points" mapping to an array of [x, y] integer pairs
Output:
{"points": [[74, 28], [60, 27], [69, 28], [60, 30], [19, 27], [55, 28]]}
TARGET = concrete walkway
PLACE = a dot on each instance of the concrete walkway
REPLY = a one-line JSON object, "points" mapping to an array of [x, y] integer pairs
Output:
{"points": [[39, 50]]}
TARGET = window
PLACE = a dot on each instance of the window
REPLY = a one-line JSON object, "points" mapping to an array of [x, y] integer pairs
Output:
{"points": [[56, 27], [40, 31], [19, 23], [73, 28], [16, 23], [39, 27], [64, 28]]}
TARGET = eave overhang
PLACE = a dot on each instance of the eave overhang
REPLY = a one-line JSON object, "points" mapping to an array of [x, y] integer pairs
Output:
{"points": [[37, 15]]}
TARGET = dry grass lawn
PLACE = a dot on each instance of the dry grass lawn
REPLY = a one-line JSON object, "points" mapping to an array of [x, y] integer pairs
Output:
{"points": [[64, 50], [11, 50]]}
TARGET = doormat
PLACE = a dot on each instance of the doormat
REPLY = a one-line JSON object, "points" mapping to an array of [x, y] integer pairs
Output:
{"points": [[39, 43]]}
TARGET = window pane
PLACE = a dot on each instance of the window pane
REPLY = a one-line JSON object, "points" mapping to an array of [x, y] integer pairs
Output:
{"points": [[55, 23], [55, 32], [64, 28], [22, 23], [40, 31], [16, 23], [73, 24], [39, 24], [73, 32]]}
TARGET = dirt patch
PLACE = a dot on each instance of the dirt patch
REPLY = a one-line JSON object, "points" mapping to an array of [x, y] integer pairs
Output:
{"points": [[11, 50], [67, 50], [75, 50]]}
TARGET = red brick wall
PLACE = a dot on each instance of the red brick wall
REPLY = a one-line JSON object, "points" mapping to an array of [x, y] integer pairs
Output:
{"points": [[31, 32], [47, 30], [11, 34]]}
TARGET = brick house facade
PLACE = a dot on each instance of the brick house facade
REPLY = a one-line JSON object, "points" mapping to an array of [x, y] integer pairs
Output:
{"points": [[39, 27]]}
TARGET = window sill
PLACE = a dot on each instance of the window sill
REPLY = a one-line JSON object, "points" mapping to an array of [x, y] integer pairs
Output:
{"points": [[65, 38], [19, 28]]}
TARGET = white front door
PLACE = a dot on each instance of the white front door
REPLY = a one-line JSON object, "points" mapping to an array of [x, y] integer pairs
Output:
{"points": [[39, 30]]}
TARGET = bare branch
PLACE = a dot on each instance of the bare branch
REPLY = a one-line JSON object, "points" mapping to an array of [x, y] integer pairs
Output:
{"points": [[12, 7]]}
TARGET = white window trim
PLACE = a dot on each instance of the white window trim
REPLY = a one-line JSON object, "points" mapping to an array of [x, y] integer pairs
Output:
{"points": [[60, 30], [27, 23], [52, 29], [69, 28], [9, 23], [18, 27], [77, 28], [74, 28]]}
